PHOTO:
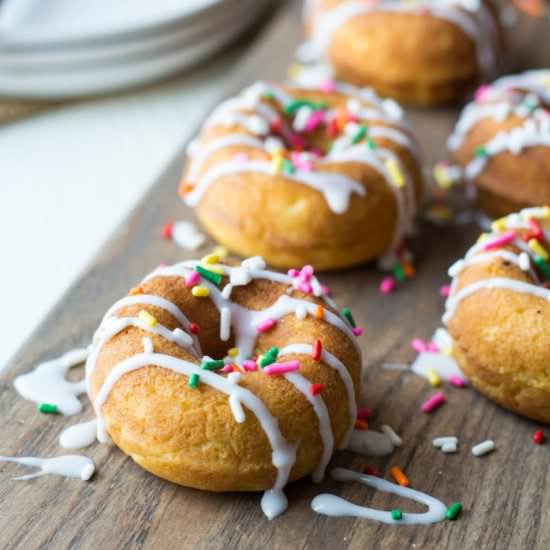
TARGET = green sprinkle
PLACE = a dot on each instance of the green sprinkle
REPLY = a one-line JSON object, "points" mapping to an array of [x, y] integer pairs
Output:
{"points": [[288, 167], [543, 266], [47, 408], [269, 357], [453, 511], [292, 106], [215, 278], [359, 135], [268, 95], [399, 272], [194, 381], [347, 314], [370, 144], [480, 152], [213, 365], [396, 514]]}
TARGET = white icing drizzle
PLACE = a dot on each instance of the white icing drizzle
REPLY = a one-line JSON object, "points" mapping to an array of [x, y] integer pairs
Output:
{"points": [[47, 383], [75, 466], [370, 443], [332, 505], [79, 436]]}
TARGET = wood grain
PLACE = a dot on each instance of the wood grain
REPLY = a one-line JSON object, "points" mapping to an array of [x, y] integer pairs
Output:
{"points": [[505, 495]]}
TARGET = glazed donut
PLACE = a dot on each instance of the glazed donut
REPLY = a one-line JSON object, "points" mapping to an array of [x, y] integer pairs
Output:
{"points": [[273, 409], [325, 174], [498, 313], [419, 51], [502, 143]]}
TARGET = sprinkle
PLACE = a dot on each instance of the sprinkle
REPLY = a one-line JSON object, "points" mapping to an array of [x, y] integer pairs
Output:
{"points": [[288, 167], [200, 291], [228, 368], [409, 269], [319, 312], [433, 377], [399, 476], [449, 448], [214, 278], [453, 511], [359, 135], [300, 312], [483, 448], [225, 324], [543, 266], [220, 251], [370, 144], [369, 470], [327, 86], [233, 352], [316, 389], [538, 249], [433, 403], [167, 231], [397, 177], [445, 290], [390, 432], [348, 316], [148, 344], [538, 437], [482, 92], [399, 272], [364, 413], [457, 381], [194, 328], [282, 368], [418, 345], [480, 152], [316, 350], [396, 514], [148, 319], [357, 331], [361, 425], [277, 126], [249, 365], [387, 285], [269, 357], [277, 162], [192, 279], [194, 381], [47, 408], [502, 240], [314, 121], [213, 365], [440, 441], [265, 325]]}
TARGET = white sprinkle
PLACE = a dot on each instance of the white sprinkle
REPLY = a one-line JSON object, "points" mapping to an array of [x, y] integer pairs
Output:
{"points": [[483, 448], [257, 125], [449, 448], [182, 338], [440, 441], [272, 144], [300, 119], [353, 106], [301, 312], [234, 377], [186, 235], [390, 432], [147, 345], [255, 262], [225, 323], [524, 262], [226, 292]]}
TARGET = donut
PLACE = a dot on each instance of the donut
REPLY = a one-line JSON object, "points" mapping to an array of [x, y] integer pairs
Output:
{"points": [[419, 51], [502, 143], [324, 174], [227, 377], [498, 313]]}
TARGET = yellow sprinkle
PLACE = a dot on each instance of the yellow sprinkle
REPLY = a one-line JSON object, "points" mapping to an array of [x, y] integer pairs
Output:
{"points": [[147, 318], [545, 213], [200, 291], [538, 249], [277, 162], [499, 225], [433, 377], [482, 238], [210, 259], [441, 178], [396, 175], [233, 352], [447, 351], [216, 269], [441, 212], [220, 251], [294, 71]]}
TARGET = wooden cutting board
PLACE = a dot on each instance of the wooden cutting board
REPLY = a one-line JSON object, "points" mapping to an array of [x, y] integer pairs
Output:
{"points": [[505, 495]]}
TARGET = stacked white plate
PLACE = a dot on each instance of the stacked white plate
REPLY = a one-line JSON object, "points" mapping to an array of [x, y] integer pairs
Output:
{"points": [[54, 49]]}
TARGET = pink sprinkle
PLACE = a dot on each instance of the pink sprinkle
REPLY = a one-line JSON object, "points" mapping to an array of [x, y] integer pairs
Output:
{"points": [[314, 120], [504, 239], [418, 345], [363, 414], [293, 272], [316, 152], [325, 290], [240, 157], [457, 381], [432, 347], [307, 272], [327, 86], [249, 365], [300, 162], [305, 287], [481, 92], [445, 290], [296, 140], [192, 279], [387, 285], [357, 331], [433, 403], [264, 326], [282, 368], [228, 368]]}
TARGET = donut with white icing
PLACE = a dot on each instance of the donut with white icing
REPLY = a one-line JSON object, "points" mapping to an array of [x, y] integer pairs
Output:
{"points": [[498, 313], [418, 51], [502, 143], [278, 374], [325, 174]]}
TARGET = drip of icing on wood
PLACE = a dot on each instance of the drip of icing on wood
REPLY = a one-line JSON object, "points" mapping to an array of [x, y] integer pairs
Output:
{"points": [[47, 383], [370, 443], [79, 436], [74, 466], [332, 505]]}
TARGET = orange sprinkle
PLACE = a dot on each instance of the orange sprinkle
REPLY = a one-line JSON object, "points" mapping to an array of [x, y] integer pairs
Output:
{"points": [[341, 118], [185, 187], [319, 312], [399, 476], [361, 425], [409, 270], [136, 290]]}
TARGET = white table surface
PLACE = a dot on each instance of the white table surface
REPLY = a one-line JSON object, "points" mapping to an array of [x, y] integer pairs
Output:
{"points": [[69, 178]]}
